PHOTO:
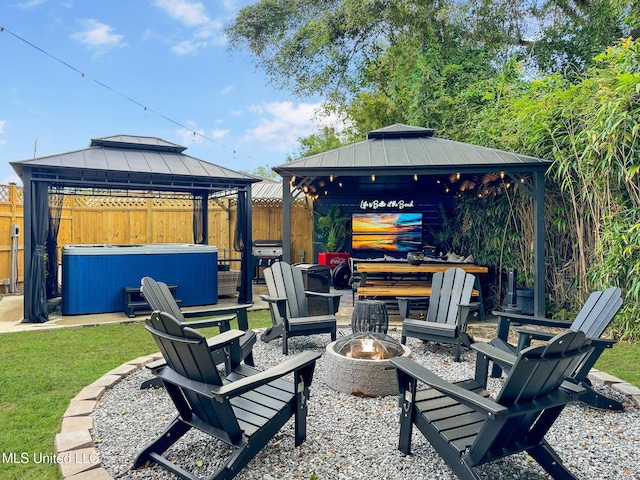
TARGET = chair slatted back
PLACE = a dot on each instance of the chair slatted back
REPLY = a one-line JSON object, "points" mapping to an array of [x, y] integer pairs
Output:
{"points": [[450, 288], [537, 373], [285, 281], [598, 311], [186, 352], [159, 297]]}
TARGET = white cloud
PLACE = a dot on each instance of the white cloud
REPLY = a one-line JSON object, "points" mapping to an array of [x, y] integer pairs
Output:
{"points": [[227, 90], [30, 4], [187, 47], [283, 123], [2, 124], [219, 133], [97, 36], [192, 15]]}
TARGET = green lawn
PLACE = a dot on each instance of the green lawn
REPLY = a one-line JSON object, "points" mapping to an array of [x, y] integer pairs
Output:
{"points": [[40, 372]]}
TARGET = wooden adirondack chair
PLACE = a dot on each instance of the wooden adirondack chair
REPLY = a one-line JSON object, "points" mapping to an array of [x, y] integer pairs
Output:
{"points": [[467, 428], [245, 410], [449, 307], [288, 304], [593, 319], [158, 296]]}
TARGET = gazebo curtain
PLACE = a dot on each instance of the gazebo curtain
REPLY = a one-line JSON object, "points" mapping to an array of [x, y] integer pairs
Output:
{"points": [[198, 218], [239, 244], [36, 303], [56, 199]]}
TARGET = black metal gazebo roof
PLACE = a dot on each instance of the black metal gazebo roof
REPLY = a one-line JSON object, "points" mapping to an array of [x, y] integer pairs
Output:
{"points": [[391, 156]]}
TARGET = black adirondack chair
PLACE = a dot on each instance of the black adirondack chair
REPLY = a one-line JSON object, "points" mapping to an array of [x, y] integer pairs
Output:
{"points": [[288, 304], [245, 410], [593, 319], [158, 296], [449, 307], [467, 428]]}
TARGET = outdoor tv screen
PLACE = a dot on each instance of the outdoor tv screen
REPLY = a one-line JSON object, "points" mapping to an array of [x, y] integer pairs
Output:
{"points": [[386, 232]]}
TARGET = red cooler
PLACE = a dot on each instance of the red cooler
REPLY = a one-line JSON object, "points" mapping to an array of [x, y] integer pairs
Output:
{"points": [[333, 259]]}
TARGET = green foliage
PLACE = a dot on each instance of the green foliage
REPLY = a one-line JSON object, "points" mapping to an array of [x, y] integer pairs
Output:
{"points": [[331, 229], [620, 248], [265, 172]]}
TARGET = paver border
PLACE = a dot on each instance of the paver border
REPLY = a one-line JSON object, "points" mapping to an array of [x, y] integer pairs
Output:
{"points": [[74, 445]]}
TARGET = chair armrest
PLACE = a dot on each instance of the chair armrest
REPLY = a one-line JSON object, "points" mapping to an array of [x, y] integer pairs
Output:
{"points": [[533, 334], [494, 353], [211, 312], [281, 304], [269, 299], [529, 320], [471, 399], [224, 323], [245, 384], [603, 342]]}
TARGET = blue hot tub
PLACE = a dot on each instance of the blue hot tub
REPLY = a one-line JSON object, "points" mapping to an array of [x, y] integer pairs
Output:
{"points": [[94, 276]]}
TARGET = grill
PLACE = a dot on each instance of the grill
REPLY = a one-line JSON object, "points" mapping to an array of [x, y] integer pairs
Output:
{"points": [[265, 253]]}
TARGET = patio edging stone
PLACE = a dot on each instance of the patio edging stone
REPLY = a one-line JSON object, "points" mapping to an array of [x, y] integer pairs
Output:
{"points": [[81, 459], [75, 445]]}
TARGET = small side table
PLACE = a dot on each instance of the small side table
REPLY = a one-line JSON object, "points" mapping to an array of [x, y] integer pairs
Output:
{"points": [[370, 316]]}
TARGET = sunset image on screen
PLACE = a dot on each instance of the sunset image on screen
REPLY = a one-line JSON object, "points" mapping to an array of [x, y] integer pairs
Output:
{"points": [[390, 232]]}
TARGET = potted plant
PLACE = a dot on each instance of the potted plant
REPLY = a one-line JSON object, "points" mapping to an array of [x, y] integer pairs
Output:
{"points": [[331, 233]]}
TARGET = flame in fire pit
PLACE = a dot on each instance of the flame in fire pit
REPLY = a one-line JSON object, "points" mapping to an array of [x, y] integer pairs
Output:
{"points": [[368, 346]]}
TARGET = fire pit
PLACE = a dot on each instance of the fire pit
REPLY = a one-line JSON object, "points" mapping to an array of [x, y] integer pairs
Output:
{"points": [[359, 364]]}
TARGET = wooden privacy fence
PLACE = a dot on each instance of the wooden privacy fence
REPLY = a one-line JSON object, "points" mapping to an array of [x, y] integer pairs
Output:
{"points": [[127, 220]]}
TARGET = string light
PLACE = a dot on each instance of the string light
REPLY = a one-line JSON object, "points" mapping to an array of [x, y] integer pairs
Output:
{"points": [[331, 178], [415, 177], [112, 90], [373, 177]]}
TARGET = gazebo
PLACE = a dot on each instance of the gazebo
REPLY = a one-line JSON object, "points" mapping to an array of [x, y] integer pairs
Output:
{"points": [[122, 163], [402, 167]]}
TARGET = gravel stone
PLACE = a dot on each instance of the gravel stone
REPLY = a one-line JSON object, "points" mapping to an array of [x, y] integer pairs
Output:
{"points": [[350, 437]]}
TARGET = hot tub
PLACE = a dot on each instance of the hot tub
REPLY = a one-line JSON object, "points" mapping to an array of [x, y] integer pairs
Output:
{"points": [[94, 276]]}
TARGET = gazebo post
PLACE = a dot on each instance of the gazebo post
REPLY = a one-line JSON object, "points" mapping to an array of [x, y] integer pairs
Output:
{"points": [[247, 294], [287, 199]]}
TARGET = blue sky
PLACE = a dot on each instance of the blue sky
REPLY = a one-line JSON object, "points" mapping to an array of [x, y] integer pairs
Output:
{"points": [[170, 56]]}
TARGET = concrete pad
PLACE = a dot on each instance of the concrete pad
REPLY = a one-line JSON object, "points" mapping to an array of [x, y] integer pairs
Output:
{"points": [[11, 308]]}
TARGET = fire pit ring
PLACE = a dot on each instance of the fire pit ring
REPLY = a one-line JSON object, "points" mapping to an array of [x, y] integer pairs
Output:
{"points": [[372, 375]]}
